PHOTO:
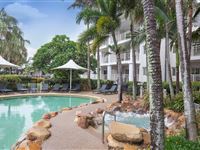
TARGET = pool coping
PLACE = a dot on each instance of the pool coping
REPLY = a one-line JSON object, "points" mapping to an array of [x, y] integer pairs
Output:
{"points": [[51, 94]]}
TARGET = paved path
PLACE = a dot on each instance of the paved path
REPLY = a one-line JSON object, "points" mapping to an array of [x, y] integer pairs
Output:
{"points": [[66, 135]]}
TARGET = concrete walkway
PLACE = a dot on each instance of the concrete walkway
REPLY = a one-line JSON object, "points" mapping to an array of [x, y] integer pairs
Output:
{"points": [[66, 135]]}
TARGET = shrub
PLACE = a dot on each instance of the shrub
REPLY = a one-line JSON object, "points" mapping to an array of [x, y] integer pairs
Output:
{"points": [[196, 86], [130, 87], [10, 78], [176, 103], [180, 143]]}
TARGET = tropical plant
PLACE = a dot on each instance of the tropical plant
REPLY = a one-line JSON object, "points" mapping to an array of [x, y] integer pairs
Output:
{"points": [[12, 43], [189, 110], [155, 81]]}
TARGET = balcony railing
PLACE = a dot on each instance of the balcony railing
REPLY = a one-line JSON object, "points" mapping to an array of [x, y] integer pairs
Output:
{"points": [[121, 36], [104, 59], [195, 77]]}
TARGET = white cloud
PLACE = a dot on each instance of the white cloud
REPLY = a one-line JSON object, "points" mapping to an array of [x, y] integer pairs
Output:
{"points": [[31, 51], [24, 11]]}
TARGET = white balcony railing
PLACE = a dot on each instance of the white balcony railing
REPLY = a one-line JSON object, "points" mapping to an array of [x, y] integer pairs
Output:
{"points": [[104, 59], [121, 36], [195, 77]]}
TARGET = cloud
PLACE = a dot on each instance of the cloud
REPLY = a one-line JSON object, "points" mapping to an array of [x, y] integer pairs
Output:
{"points": [[24, 11]]}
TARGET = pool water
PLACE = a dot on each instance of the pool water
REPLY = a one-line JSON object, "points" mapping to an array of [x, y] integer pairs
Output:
{"points": [[18, 114], [142, 121]]}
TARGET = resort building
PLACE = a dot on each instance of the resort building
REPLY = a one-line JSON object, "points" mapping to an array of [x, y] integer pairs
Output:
{"points": [[108, 60]]}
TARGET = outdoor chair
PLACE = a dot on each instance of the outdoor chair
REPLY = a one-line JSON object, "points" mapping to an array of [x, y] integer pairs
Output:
{"points": [[101, 89], [112, 90], [56, 87], [3, 89], [76, 88], [45, 87], [33, 87], [65, 88], [21, 88]]}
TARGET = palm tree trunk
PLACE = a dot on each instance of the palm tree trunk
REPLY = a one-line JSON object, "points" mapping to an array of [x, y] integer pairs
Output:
{"points": [[168, 62], [155, 80], [88, 63], [133, 61], [119, 68], [189, 109], [98, 69], [177, 71], [190, 12]]}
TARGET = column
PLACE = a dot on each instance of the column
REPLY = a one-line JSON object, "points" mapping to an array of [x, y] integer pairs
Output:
{"points": [[130, 70], [109, 72]]}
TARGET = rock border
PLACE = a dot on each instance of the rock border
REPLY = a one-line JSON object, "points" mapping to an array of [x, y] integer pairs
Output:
{"points": [[38, 133]]}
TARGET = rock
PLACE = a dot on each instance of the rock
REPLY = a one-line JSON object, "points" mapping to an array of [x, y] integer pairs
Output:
{"points": [[94, 102], [38, 133], [43, 123], [83, 122], [116, 108], [130, 147], [100, 100], [46, 116], [28, 145], [53, 114], [99, 110], [125, 132], [143, 130], [114, 143], [136, 104], [66, 109], [172, 114], [146, 138]]}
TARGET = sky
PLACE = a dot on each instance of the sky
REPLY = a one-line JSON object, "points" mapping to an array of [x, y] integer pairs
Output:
{"points": [[41, 20]]}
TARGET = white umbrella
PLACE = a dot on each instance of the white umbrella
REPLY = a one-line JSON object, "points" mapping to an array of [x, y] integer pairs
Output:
{"points": [[71, 65], [4, 63]]}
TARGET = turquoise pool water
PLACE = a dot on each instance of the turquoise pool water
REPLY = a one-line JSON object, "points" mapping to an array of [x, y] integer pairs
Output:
{"points": [[17, 114]]}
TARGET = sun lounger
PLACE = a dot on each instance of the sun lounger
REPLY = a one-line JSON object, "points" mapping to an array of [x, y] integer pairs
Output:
{"points": [[101, 89], [45, 87], [113, 89], [65, 88], [3, 89], [21, 88], [76, 88], [56, 87], [33, 87]]}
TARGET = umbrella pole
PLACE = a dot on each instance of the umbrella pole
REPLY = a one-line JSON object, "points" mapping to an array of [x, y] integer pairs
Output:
{"points": [[70, 86]]}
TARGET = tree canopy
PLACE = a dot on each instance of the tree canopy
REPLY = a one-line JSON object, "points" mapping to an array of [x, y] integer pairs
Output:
{"points": [[58, 52]]}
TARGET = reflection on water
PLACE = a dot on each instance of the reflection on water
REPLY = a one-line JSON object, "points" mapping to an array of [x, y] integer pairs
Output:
{"points": [[18, 114]]}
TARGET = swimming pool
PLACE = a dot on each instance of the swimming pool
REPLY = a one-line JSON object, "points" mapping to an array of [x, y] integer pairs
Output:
{"points": [[17, 114]]}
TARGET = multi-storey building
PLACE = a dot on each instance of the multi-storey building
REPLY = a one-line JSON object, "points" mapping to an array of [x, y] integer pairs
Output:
{"points": [[108, 60]]}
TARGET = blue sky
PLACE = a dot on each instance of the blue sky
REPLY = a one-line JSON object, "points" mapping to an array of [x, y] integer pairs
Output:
{"points": [[40, 20]]}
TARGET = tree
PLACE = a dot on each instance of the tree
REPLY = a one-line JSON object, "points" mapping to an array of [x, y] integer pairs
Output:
{"points": [[11, 39], [57, 52], [189, 109], [155, 81]]}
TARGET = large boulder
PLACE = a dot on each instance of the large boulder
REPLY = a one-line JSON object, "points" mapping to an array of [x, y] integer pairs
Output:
{"points": [[125, 132], [28, 145], [38, 133], [116, 145], [43, 123]]}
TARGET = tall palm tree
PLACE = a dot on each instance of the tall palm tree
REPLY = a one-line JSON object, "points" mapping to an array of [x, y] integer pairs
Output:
{"points": [[155, 81], [130, 8], [11, 39], [189, 110]]}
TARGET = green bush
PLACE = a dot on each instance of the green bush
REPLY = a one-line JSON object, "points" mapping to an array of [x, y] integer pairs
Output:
{"points": [[196, 86], [176, 103], [180, 143], [10, 78], [130, 87]]}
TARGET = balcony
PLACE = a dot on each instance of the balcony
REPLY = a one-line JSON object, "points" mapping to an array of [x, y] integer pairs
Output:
{"points": [[195, 77], [121, 36]]}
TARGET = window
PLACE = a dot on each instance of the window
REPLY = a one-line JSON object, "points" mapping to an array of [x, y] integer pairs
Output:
{"points": [[144, 71], [173, 71], [196, 48], [195, 71]]}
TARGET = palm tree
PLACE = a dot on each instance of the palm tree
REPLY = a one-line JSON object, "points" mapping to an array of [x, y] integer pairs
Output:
{"points": [[12, 43], [189, 110], [130, 7], [155, 81]]}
